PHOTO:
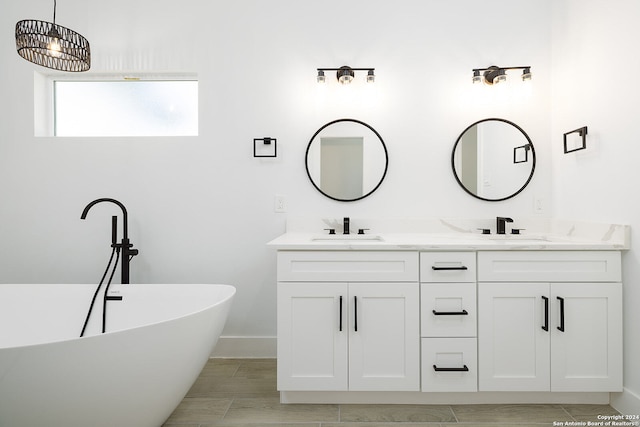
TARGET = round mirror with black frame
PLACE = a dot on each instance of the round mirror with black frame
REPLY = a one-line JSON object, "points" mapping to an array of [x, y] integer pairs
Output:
{"points": [[493, 159], [346, 160]]}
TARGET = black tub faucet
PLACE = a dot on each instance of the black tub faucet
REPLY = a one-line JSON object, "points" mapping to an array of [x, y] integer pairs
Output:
{"points": [[345, 225], [501, 224], [125, 246]]}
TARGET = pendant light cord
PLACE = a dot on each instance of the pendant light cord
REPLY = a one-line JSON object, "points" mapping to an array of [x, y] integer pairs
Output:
{"points": [[54, 11]]}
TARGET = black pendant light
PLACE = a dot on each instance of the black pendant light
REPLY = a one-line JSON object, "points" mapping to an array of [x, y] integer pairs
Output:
{"points": [[51, 45]]}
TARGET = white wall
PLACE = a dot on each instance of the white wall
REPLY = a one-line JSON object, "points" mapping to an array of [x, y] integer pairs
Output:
{"points": [[201, 209], [595, 56]]}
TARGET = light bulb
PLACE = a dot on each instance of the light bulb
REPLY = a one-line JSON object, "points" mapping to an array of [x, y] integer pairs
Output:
{"points": [[476, 77], [371, 77], [345, 79], [345, 75], [501, 77], [54, 47]]}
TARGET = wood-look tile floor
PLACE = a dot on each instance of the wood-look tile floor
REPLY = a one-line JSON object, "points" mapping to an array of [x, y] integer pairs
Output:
{"points": [[242, 393]]}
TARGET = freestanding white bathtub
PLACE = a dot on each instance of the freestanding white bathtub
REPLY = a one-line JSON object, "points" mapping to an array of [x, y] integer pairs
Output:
{"points": [[158, 339]]}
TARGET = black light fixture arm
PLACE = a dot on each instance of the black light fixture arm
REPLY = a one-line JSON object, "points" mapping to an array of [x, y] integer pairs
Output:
{"points": [[354, 69], [127, 248], [501, 68]]}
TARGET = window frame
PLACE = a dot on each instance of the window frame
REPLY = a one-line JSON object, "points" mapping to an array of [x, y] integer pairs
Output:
{"points": [[45, 114]]}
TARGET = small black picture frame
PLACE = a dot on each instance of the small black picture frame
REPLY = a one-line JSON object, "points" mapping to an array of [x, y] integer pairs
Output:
{"points": [[582, 132], [266, 141], [518, 150]]}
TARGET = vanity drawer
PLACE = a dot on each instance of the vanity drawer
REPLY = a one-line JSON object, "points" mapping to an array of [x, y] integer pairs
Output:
{"points": [[449, 364], [347, 266], [447, 266], [549, 266], [448, 309]]}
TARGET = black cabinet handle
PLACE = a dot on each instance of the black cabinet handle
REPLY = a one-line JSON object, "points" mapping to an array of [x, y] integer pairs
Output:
{"points": [[450, 313], [340, 313], [561, 327], [463, 369], [462, 267], [355, 314], [545, 327]]}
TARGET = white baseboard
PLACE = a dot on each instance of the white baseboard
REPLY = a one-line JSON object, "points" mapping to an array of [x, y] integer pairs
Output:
{"points": [[436, 398], [627, 402], [245, 347]]}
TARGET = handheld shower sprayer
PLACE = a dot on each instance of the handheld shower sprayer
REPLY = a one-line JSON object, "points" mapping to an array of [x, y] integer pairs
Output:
{"points": [[114, 230]]}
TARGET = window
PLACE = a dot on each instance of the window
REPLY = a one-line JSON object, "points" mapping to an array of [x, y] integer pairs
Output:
{"points": [[125, 108]]}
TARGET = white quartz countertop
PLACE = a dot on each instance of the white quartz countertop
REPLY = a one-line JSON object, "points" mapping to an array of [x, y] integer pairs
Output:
{"points": [[432, 236]]}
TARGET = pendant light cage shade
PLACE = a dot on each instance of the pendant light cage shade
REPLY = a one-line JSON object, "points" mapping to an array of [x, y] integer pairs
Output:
{"points": [[53, 46]]}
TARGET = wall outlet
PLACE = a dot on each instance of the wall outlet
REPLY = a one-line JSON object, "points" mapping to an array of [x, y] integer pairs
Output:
{"points": [[279, 204], [539, 205]]}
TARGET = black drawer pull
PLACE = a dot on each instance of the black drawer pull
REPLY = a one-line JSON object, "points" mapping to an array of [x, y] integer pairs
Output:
{"points": [[545, 327], [463, 369], [462, 267], [340, 313], [355, 314], [561, 327], [450, 313]]}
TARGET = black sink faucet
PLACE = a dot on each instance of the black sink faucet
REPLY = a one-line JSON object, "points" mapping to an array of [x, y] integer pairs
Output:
{"points": [[345, 225], [500, 224], [127, 248]]}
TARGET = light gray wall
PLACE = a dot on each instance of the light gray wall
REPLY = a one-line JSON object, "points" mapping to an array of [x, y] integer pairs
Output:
{"points": [[595, 56]]}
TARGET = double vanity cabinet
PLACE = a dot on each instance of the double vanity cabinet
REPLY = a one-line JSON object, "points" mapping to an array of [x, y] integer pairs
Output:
{"points": [[442, 322]]}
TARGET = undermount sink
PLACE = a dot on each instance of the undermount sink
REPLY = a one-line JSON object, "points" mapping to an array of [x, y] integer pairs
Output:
{"points": [[518, 238], [348, 237]]}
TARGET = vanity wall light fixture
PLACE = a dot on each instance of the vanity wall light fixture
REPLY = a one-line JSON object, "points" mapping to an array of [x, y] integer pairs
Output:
{"points": [[345, 74], [269, 147], [494, 74], [51, 45]]}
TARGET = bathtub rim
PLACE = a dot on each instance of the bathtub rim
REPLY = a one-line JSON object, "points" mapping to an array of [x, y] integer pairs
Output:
{"points": [[231, 290]]}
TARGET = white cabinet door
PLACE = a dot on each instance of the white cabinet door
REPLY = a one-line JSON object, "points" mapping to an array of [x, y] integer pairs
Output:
{"points": [[557, 337], [384, 347], [586, 355], [312, 348], [513, 347]]}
